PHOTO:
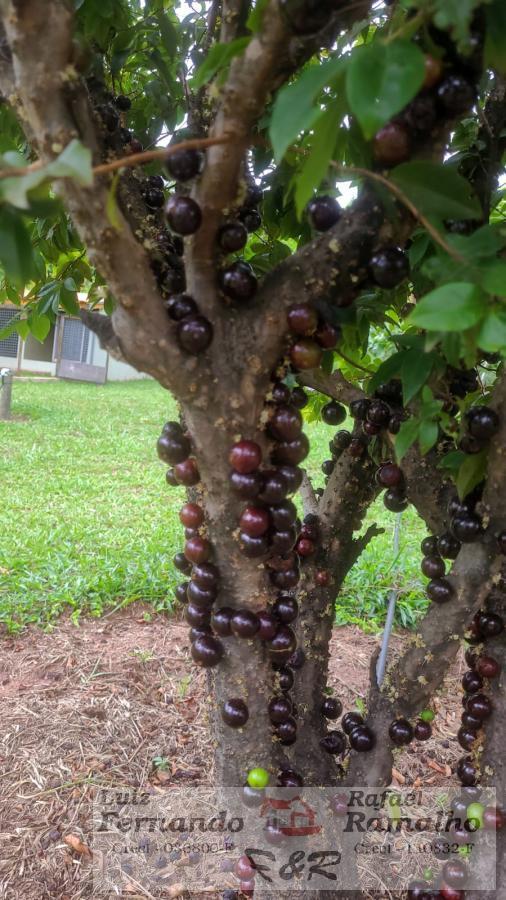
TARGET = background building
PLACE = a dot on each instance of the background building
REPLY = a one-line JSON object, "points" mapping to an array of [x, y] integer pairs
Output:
{"points": [[70, 350]]}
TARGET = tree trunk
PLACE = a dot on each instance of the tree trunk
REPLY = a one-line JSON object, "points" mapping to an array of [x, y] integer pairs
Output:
{"points": [[6, 394]]}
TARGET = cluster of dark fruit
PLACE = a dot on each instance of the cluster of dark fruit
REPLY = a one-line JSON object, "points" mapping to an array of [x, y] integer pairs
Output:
{"points": [[482, 424], [402, 732], [477, 704], [446, 93], [387, 268], [194, 332]]}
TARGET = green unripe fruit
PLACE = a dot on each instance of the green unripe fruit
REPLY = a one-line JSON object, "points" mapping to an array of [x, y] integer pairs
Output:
{"points": [[258, 778], [474, 813], [427, 715]]}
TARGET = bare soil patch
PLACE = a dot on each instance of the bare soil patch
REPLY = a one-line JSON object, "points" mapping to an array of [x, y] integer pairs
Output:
{"points": [[92, 706]]}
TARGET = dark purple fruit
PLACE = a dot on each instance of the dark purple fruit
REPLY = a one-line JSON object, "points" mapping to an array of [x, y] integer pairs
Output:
{"points": [[286, 731], [187, 472], [302, 319], [254, 521], [389, 475], [350, 721], [194, 334], [122, 103], [306, 354], [480, 706], [429, 546], [389, 267], [466, 528], [455, 95], [232, 237], [433, 567], [285, 423], [275, 486], [182, 564], [466, 738], [253, 547], [245, 457], [472, 682], [334, 742], [251, 218], [455, 873], [282, 645], [288, 778], [422, 730], [299, 397], [181, 592], [207, 651], [279, 709], [183, 214], [221, 621], [466, 771], [439, 590], [471, 723], [291, 453], [200, 596], [392, 145], [268, 625], [246, 485], [238, 281], [448, 546], [283, 515], [359, 409], [362, 739], [206, 575], [490, 624], [333, 413], [332, 708], [235, 713], [323, 213], [173, 450], [154, 198], [285, 679], [244, 623], [488, 667], [286, 609], [197, 615], [184, 164], [395, 500], [401, 732]]}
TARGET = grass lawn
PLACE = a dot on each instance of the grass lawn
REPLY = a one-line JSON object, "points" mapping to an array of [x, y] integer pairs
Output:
{"points": [[89, 525]]}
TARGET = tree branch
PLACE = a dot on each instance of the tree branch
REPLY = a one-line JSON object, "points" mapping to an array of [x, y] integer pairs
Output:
{"points": [[57, 108], [413, 679], [308, 496], [334, 385]]}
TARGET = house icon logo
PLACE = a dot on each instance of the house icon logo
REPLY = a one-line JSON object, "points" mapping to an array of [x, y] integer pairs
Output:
{"points": [[294, 817]]}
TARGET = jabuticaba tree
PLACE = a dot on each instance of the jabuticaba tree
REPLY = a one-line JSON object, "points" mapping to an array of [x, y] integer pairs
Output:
{"points": [[234, 276]]}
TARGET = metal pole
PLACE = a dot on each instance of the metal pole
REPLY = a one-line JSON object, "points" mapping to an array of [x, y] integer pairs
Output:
{"points": [[5, 393], [392, 600]]}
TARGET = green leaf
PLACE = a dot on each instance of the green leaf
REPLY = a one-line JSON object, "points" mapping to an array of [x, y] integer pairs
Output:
{"points": [[407, 436], [9, 329], [168, 33], [495, 39], [494, 278], [455, 16], [437, 190], [416, 369], [387, 370], [256, 15], [453, 307], [316, 165], [492, 334], [39, 326], [453, 460], [427, 435], [295, 107], [73, 162], [16, 254], [381, 80], [23, 329], [218, 57], [471, 473]]}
